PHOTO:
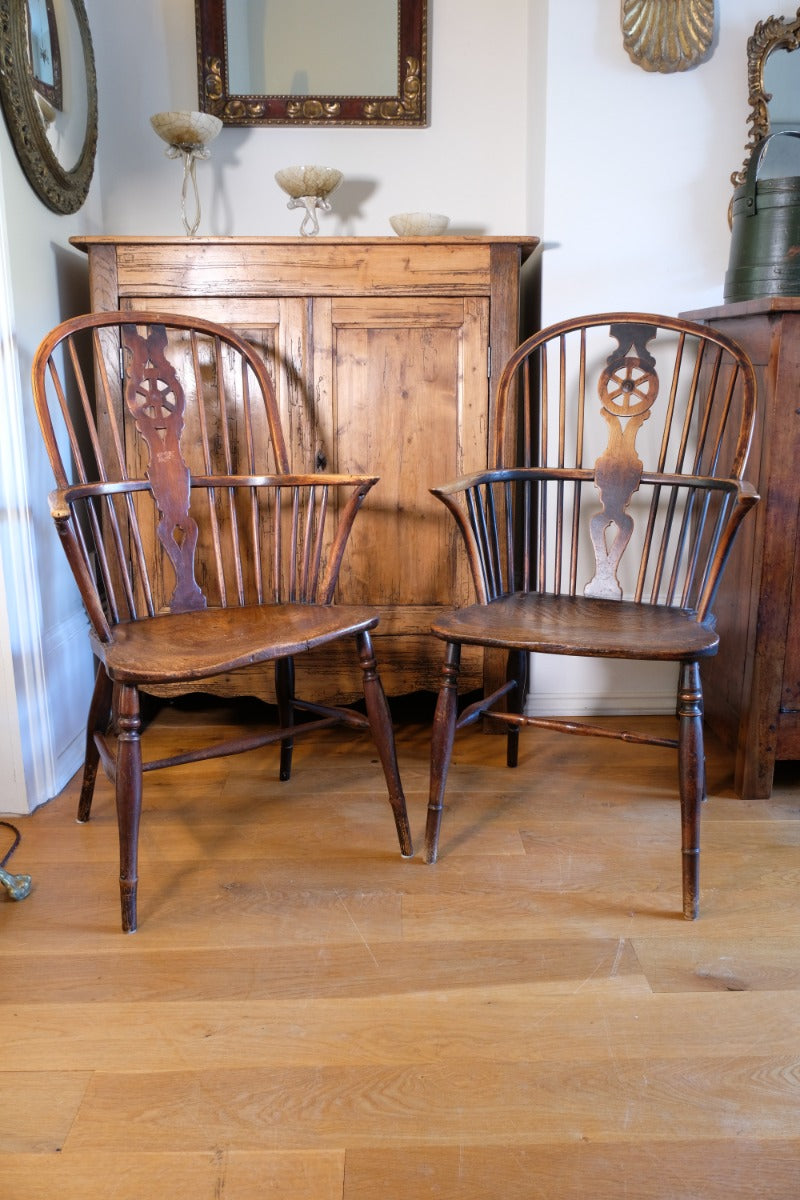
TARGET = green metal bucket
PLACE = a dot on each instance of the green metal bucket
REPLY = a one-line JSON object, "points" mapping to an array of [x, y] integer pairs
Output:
{"points": [[765, 233]]}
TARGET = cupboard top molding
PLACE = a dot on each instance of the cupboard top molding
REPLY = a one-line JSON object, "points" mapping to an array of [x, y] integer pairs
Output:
{"points": [[217, 266], [527, 244]]}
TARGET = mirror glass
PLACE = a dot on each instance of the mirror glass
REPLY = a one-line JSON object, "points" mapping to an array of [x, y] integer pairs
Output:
{"points": [[312, 62], [773, 78], [306, 48], [59, 77], [782, 88]]}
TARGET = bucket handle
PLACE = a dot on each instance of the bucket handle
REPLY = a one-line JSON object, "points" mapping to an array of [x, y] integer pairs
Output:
{"points": [[754, 166]]}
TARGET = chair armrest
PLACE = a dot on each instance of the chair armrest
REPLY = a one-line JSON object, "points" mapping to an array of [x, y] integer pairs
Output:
{"points": [[61, 513], [59, 505], [319, 530], [508, 475]]}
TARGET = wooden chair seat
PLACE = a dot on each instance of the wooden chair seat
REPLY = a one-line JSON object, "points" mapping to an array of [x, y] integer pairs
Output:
{"points": [[580, 625], [202, 644]]}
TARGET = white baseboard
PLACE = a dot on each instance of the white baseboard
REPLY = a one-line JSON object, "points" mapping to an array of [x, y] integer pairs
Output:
{"points": [[69, 672], [566, 686], [581, 704]]}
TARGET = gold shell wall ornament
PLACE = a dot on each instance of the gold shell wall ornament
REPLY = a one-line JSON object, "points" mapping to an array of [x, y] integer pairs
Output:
{"points": [[667, 35]]}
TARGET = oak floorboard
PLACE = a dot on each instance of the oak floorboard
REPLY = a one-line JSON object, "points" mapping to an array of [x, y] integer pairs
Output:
{"points": [[139, 974], [511, 1024], [326, 1107], [765, 964], [217, 1175], [40, 1108], [579, 1170], [303, 1014]]}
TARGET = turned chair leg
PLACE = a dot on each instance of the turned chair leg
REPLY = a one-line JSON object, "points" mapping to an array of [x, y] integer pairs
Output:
{"points": [[444, 729], [97, 722], [284, 692], [691, 769], [380, 723], [129, 800], [517, 669]]}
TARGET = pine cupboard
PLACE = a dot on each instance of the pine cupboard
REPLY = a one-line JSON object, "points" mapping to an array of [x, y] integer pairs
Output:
{"points": [[385, 354]]}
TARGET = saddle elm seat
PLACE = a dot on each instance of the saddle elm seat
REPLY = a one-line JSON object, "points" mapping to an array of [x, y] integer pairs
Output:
{"points": [[575, 625], [216, 640]]}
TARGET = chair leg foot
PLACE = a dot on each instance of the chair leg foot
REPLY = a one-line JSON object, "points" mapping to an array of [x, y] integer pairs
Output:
{"points": [[284, 694], [96, 722], [87, 792], [129, 800], [444, 728], [691, 769], [380, 722], [691, 884], [127, 892], [517, 670]]}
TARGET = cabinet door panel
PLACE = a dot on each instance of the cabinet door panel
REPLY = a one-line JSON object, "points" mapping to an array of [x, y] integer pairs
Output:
{"points": [[278, 329], [408, 397]]}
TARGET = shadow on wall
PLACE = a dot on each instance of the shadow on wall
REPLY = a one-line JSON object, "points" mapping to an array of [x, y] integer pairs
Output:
{"points": [[72, 281], [224, 157], [348, 203]]}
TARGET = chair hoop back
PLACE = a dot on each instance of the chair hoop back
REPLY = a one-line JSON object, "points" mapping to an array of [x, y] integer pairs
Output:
{"points": [[172, 472], [620, 443]]}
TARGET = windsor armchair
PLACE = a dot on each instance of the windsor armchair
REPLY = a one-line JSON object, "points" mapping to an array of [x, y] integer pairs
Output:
{"points": [[607, 535], [195, 549]]}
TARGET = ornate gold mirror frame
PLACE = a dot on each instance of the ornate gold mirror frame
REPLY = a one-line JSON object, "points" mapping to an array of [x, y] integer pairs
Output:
{"points": [[407, 107], [63, 188], [776, 33]]}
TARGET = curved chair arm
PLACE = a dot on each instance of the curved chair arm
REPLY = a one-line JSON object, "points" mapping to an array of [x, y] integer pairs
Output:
{"points": [[75, 550], [331, 531], [359, 487], [746, 497]]}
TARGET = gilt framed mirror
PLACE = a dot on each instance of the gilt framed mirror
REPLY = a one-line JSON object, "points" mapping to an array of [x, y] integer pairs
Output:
{"points": [[310, 62], [773, 82], [48, 89]]}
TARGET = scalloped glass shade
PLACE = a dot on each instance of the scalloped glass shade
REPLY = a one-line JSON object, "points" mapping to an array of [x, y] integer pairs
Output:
{"points": [[308, 181], [186, 128]]}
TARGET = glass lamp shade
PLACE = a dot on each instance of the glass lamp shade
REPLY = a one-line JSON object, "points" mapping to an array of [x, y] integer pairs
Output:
{"points": [[187, 135]]}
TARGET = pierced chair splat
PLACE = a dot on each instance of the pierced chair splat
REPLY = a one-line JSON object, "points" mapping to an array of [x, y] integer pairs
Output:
{"points": [[197, 552], [607, 534]]}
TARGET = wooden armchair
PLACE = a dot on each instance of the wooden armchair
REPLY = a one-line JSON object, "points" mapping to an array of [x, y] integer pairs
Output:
{"points": [[196, 551], [604, 531]]}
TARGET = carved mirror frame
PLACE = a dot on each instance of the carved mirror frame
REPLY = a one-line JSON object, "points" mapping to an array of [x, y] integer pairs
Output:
{"points": [[61, 188], [407, 107], [776, 33]]}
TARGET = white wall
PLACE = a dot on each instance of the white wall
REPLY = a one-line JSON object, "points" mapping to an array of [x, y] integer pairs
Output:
{"points": [[540, 124], [43, 643], [636, 173], [470, 163], [637, 166]]}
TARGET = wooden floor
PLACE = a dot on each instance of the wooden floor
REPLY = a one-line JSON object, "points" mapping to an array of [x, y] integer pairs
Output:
{"points": [[304, 1015]]}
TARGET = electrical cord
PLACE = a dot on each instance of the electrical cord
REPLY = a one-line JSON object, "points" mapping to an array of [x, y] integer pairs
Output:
{"points": [[17, 886]]}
